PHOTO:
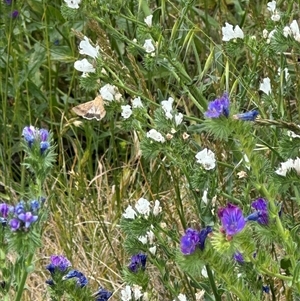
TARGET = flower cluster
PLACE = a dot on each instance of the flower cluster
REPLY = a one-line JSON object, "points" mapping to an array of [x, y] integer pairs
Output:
{"points": [[231, 34], [132, 293], [193, 240], [206, 158], [127, 109], [110, 93], [142, 207], [36, 137], [138, 262], [219, 107], [21, 216], [271, 6], [260, 213], [167, 108]]}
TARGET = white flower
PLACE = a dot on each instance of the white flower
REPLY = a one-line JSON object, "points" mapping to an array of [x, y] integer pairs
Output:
{"points": [[129, 213], [294, 28], [150, 236], [126, 293], [265, 86], [156, 208], [181, 297], [204, 272], [148, 20], [85, 47], [148, 46], [73, 3], [199, 296], [286, 73], [137, 103], [126, 111], [178, 118], [143, 206], [167, 107], [229, 33], [155, 135], [265, 33], [288, 165], [287, 31], [206, 158], [152, 250], [137, 294], [271, 6], [143, 239], [110, 92], [275, 16], [84, 66], [204, 197]]}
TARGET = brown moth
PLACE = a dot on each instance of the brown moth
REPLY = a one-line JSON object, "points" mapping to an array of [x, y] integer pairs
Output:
{"points": [[91, 109]]}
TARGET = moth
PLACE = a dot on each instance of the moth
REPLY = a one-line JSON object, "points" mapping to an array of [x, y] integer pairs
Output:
{"points": [[91, 109]]}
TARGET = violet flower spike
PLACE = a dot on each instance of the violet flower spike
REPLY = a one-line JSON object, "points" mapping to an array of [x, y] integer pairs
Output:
{"points": [[261, 212], [102, 294], [218, 107], [232, 219], [4, 210], [189, 241], [58, 262], [202, 237], [138, 261]]}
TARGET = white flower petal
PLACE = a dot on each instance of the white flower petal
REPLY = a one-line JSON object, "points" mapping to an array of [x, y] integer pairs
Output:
{"points": [[143, 206], [155, 135], [206, 158], [126, 111], [265, 86], [148, 46], [148, 20], [86, 48], [129, 213], [84, 66], [73, 3]]}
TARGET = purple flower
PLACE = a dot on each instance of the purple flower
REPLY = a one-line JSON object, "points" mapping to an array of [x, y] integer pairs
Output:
{"points": [[34, 205], [19, 208], [261, 212], [81, 279], [15, 14], [8, 2], [14, 224], [27, 218], [102, 294], [232, 219], [29, 134], [238, 257], [202, 236], [4, 209], [218, 107], [189, 241], [248, 116], [44, 136], [58, 262], [138, 262]]}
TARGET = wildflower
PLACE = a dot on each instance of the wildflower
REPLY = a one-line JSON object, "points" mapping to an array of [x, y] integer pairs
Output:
{"points": [[157, 208], [204, 197], [86, 48], [4, 210], [137, 103], [110, 92], [150, 235], [44, 142], [218, 107], [148, 20], [203, 235], [206, 158], [295, 30], [185, 136], [156, 136], [14, 224], [34, 205], [143, 206], [292, 134], [29, 134], [167, 107], [84, 66], [288, 165], [143, 239], [287, 31], [178, 118], [58, 263], [19, 208], [126, 293], [261, 212], [181, 297], [137, 294], [248, 116], [229, 33], [129, 213], [28, 218], [271, 6], [15, 14], [81, 279], [126, 111], [102, 294], [138, 262], [238, 257], [265, 86], [189, 241], [152, 250], [232, 219], [285, 71], [148, 46], [266, 289], [73, 3], [8, 2]]}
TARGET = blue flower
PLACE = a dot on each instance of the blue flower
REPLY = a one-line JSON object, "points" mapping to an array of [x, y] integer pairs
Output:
{"points": [[189, 241], [14, 224], [102, 294], [44, 136], [138, 262], [19, 208], [266, 289], [261, 212], [28, 218], [58, 263], [34, 205], [203, 235], [15, 14], [232, 219], [218, 107], [248, 116], [29, 134], [238, 257], [81, 279], [4, 210]]}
